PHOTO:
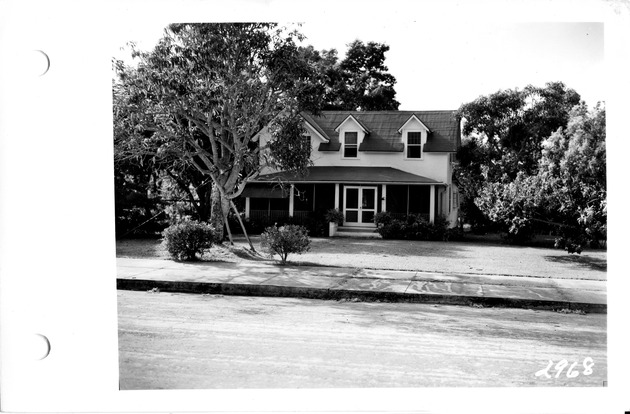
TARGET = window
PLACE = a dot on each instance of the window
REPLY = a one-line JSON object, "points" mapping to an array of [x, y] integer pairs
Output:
{"points": [[414, 144], [350, 145], [306, 140]]}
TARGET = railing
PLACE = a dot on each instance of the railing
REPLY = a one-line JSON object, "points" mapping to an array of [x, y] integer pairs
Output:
{"points": [[277, 215]]}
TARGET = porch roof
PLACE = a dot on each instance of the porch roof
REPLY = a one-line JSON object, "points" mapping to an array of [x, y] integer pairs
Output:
{"points": [[373, 175]]}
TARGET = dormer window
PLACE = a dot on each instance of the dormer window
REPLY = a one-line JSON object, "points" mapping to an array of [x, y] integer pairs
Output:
{"points": [[414, 145], [350, 145]]}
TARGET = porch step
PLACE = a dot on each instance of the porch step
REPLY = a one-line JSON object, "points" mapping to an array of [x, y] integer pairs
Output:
{"points": [[359, 232]]}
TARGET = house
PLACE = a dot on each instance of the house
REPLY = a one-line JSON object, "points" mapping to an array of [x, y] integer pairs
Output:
{"points": [[365, 163]]}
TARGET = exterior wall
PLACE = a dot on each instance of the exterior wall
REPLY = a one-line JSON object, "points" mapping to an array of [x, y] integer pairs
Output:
{"points": [[435, 165]]}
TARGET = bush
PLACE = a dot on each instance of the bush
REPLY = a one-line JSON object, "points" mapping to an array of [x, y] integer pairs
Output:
{"points": [[335, 216], [382, 218], [284, 240], [453, 234], [395, 229], [185, 239], [413, 227]]}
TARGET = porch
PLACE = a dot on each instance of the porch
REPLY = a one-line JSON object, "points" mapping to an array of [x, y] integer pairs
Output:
{"points": [[304, 202]]}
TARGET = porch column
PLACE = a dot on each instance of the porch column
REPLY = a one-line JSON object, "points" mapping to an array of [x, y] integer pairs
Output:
{"points": [[432, 204], [337, 196], [246, 207], [384, 198], [291, 201]]}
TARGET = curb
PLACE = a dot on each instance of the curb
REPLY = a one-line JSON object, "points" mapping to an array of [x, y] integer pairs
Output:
{"points": [[361, 295]]}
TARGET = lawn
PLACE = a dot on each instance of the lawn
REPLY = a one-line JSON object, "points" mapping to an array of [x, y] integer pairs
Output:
{"points": [[450, 257]]}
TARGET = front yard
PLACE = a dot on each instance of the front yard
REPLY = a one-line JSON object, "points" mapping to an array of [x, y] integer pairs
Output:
{"points": [[448, 257]]}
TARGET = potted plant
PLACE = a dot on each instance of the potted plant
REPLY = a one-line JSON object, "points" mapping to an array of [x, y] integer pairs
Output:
{"points": [[334, 218]]}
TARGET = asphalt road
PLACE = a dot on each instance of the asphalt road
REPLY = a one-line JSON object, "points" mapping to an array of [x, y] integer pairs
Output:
{"points": [[184, 341]]}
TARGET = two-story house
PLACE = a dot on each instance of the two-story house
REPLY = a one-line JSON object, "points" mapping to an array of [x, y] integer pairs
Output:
{"points": [[365, 163]]}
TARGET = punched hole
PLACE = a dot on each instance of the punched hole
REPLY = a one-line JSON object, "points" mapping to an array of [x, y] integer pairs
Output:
{"points": [[39, 347], [40, 63]]}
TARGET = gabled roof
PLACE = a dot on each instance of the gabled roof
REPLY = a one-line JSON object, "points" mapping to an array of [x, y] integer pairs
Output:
{"points": [[384, 126], [411, 118], [309, 120], [365, 129]]}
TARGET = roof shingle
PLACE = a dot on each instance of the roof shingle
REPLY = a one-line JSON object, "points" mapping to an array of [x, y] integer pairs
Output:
{"points": [[384, 125], [374, 175]]}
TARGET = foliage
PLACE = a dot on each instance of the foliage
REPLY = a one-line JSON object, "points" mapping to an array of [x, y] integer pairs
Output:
{"points": [[572, 176], [358, 82], [186, 118], [135, 204], [413, 227], [199, 98], [335, 216], [382, 218], [284, 240], [504, 134], [453, 234], [188, 238], [512, 204], [568, 190]]}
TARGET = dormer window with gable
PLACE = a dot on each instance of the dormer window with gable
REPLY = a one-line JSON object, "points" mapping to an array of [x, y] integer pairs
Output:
{"points": [[414, 145], [350, 145]]}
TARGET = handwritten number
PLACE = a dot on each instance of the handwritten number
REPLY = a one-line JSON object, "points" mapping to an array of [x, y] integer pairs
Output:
{"points": [[571, 373], [560, 366], [588, 365], [545, 371]]}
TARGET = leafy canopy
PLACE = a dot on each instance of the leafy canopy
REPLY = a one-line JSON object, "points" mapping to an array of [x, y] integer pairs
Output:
{"points": [[358, 82], [200, 97], [568, 189], [504, 133]]}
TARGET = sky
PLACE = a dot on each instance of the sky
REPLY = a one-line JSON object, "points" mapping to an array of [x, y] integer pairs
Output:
{"points": [[441, 65]]}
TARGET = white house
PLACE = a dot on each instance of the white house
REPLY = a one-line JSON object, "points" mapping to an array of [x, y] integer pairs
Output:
{"points": [[365, 162]]}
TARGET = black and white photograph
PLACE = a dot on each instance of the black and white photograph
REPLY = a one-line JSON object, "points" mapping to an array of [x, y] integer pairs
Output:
{"points": [[365, 207], [291, 215]]}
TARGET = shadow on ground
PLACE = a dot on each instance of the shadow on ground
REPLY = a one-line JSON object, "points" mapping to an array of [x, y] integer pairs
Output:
{"points": [[591, 263], [402, 248]]}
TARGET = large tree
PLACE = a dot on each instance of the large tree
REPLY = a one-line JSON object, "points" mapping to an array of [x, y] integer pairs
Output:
{"points": [[504, 133], [360, 81], [201, 96], [568, 189]]}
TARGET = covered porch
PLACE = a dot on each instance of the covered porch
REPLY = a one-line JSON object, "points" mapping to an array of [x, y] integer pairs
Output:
{"points": [[358, 192]]}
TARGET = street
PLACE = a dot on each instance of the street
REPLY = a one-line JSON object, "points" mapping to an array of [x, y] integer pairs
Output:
{"points": [[186, 341]]}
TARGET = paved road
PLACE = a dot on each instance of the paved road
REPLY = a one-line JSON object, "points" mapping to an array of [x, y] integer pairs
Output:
{"points": [[170, 341]]}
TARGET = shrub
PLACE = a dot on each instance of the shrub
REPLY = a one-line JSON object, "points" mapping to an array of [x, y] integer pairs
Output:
{"points": [[382, 218], [453, 234], [413, 227], [335, 216], [284, 240], [395, 229], [569, 244], [185, 239]]}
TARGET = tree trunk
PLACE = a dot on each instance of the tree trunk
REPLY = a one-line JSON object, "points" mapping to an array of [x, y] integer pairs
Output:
{"points": [[204, 195], [217, 216], [238, 216]]}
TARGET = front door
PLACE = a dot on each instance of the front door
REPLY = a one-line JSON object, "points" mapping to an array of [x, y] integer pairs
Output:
{"points": [[359, 206]]}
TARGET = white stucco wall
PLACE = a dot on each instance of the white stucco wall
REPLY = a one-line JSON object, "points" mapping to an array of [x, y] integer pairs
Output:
{"points": [[434, 165]]}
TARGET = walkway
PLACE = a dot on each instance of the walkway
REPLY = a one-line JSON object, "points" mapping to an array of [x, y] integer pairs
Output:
{"points": [[266, 279]]}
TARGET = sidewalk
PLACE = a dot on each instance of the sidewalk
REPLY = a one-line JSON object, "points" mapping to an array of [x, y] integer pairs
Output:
{"points": [[265, 279]]}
